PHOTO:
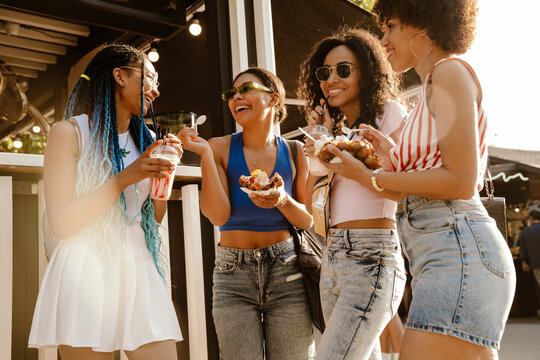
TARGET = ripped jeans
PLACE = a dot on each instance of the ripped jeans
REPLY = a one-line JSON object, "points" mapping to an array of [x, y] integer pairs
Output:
{"points": [[260, 306]]}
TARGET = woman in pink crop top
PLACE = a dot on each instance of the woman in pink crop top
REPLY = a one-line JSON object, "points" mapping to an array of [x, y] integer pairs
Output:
{"points": [[462, 270], [259, 303], [362, 276]]}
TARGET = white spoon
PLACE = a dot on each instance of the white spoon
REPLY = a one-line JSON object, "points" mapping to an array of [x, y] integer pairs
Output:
{"points": [[349, 132], [200, 120]]}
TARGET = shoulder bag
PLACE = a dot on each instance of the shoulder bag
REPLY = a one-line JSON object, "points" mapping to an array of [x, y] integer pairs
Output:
{"points": [[495, 206], [309, 247]]}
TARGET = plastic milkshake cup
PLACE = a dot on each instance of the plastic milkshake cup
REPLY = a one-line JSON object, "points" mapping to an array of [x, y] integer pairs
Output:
{"points": [[316, 167], [161, 188]]}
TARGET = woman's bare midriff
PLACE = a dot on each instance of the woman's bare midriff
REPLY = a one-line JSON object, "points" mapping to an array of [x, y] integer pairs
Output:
{"points": [[250, 240], [381, 223]]}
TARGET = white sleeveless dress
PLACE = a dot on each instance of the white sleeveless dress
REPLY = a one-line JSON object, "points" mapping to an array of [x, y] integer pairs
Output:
{"points": [[119, 306]]}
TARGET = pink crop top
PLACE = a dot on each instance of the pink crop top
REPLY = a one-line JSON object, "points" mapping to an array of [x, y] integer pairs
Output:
{"points": [[349, 200]]}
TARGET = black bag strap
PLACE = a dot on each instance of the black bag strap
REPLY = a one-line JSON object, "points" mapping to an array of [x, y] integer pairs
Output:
{"points": [[294, 153], [294, 232]]}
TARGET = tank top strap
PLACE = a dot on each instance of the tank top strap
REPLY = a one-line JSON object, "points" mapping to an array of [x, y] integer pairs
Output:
{"points": [[466, 64], [236, 155]]}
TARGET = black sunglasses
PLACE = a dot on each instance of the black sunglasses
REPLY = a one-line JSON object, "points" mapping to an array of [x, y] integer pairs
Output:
{"points": [[242, 89], [342, 70]]}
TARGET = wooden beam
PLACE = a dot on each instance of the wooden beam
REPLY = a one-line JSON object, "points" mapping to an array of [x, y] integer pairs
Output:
{"points": [[44, 35], [155, 23], [30, 44], [43, 22], [27, 55], [24, 72], [27, 64]]}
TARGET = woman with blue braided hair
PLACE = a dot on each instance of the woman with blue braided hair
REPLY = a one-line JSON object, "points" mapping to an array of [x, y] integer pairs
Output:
{"points": [[105, 288]]}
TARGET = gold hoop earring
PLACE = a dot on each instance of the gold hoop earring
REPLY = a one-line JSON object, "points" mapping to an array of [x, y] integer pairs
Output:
{"points": [[430, 45]]}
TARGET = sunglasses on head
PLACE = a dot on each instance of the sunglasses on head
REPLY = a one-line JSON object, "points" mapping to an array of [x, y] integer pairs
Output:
{"points": [[244, 88], [153, 77], [342, 70]]}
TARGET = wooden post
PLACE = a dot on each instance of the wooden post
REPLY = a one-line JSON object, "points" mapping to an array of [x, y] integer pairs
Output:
{"points": [[6, 266], [194, 273]]}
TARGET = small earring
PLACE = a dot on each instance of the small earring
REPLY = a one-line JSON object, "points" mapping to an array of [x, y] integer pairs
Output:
{"points": [[123, 84]]}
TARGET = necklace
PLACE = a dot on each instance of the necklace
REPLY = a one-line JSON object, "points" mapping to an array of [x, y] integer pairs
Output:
{"points": [[250, 157], [123, 151]]}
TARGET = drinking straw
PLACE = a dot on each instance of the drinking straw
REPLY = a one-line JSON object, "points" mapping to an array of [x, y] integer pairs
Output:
{"points": [[305, 133]]}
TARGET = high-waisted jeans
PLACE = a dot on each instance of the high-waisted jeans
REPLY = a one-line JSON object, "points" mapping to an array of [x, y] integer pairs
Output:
{"points": [[463, 274], [260, 304], [362, 282]]}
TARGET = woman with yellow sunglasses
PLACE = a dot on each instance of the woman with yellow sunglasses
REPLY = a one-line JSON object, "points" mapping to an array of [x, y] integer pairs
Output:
{"points": [[260, 304]]}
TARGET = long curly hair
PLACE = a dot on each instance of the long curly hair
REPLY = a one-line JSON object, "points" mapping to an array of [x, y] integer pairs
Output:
{"points": [[451, 24], [272, 82], [378, 82], [101, 159]]}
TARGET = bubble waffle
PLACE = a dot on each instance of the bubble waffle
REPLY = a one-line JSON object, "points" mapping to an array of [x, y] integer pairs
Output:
{"points": [[258, 181], [360, 149]]}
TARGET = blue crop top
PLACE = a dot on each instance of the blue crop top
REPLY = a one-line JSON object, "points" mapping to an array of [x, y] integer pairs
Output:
{"points": [[245, 215]]}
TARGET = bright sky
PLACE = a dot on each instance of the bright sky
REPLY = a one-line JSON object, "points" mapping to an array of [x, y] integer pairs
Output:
{"points": [[504, 56]]}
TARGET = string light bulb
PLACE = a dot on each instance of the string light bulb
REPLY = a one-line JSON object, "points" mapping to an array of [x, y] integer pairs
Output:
{"points": [[195, 27], [153, 54], [17, 144], [36, 129]]}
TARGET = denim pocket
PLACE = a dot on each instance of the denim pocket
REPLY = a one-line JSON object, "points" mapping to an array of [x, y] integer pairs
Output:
{"points": [[224, 267], [398, 288], [432, 219], [491, 246], [287, 259], [367, 255]]}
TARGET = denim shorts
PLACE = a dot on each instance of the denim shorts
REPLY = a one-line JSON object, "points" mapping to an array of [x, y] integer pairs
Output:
{"points": [[463, 274], [260, 305], [362, 282]]}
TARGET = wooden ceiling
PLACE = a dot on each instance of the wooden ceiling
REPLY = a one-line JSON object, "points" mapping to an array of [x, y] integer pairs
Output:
{"points": [[40, 41]]}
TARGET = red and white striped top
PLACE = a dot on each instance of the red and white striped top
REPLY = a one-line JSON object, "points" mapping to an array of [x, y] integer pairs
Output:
{"points": [[417, 148]]}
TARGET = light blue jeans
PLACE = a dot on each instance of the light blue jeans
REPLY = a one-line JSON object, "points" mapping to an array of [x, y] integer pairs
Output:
{"points": [[463, 274], [362, 283], [260, 304]]}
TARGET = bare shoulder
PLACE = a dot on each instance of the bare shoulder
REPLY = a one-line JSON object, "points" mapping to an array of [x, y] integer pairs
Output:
{"points": [[220, 147], [64, 135], [220, 143], [452, 73]]}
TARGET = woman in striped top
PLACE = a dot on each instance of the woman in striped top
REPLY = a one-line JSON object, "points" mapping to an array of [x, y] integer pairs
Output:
{"points": [[463, 275]]}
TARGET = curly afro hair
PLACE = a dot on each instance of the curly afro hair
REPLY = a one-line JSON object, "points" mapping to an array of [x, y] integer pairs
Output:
{"points": [[378, 83], [451, 24]]}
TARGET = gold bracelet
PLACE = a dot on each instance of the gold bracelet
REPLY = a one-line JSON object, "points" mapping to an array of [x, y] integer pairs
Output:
{"points": [[283, 202], [374, 179]]}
